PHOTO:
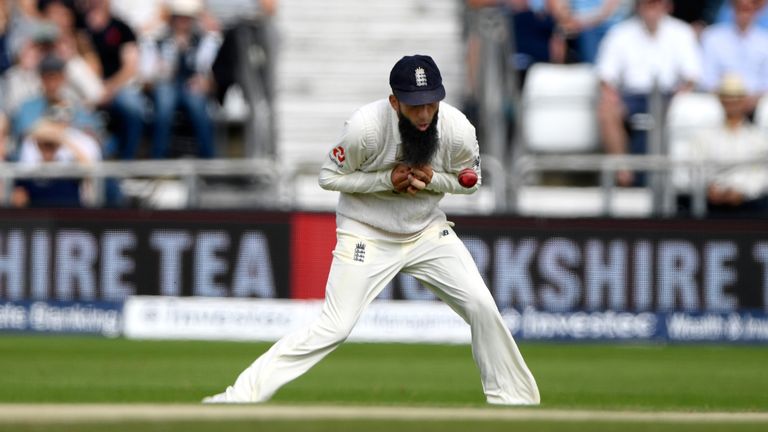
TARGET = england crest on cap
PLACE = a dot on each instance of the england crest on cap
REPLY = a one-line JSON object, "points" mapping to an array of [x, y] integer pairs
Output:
{"points": [[421, 77], [416, 80]]}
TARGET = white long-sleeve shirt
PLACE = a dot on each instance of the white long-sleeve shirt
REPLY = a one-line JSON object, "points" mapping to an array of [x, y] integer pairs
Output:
{"points": [[745, 143], [361, 163]]}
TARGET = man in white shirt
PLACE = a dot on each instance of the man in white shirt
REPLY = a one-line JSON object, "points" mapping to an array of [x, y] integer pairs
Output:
{"points": [[739, 47], [739, 189], [648, 50], [394, 162]]}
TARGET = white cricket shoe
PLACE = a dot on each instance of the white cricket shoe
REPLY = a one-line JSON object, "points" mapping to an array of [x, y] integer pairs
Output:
{"points": [[218, 398], [227, 397]]}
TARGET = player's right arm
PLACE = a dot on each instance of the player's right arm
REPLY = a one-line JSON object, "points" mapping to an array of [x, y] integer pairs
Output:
{"points": [[341, 170]]}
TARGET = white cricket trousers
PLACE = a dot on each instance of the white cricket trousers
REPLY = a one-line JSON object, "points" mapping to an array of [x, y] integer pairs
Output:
{"points": [[361, 268]]}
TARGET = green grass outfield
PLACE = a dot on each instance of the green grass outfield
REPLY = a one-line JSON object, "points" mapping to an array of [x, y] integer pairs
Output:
{"points": [[637, 378]]}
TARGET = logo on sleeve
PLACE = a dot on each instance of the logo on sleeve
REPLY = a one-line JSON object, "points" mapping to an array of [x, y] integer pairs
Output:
{"points": [[338, 156]]}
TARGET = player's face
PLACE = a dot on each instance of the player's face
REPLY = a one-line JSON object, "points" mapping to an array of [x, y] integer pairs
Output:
{"points": [[420, 116]]}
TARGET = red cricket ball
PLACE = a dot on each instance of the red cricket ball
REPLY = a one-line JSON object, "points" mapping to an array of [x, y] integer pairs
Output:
{"points": [[467, 177]]}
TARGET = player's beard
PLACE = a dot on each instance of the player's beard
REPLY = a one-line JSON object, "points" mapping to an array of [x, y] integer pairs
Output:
{"points": [[418, 146]]}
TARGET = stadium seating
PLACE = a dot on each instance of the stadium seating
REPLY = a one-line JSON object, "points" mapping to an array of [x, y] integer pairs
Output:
{"points": [[552, 201], [689, 114], [336, 59], [559, 109]]}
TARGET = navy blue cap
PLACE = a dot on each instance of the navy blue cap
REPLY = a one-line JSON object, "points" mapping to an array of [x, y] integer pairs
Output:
{"points": [[416, 80]]}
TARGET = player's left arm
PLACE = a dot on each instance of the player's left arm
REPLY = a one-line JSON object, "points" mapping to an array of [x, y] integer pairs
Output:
{"points": [[464, 153]]}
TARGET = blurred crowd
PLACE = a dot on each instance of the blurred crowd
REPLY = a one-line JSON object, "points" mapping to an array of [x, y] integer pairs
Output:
{"points": [[86, 80], [666, 47], [89, 80]]}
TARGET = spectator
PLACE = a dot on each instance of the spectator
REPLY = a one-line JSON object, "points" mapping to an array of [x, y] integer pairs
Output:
{"points": [[23, 15], [22, 81], [727, 14], [588, 21], [5, 33], [732, 191], [181, 64], [649, 50], [740, 48], [118, 52], [20, 21], [53, 139], [535, 35], [55, 92], [75, 48], [146, 17], [19, 83]]}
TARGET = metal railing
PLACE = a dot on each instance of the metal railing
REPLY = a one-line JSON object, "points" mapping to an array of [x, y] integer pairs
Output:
{"points": [[495, 84], [188, 170], [281, 180], [699, 172], [505, 185]]}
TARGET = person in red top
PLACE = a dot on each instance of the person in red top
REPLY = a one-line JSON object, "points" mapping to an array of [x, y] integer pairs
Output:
{"points": [[117, 48]]}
